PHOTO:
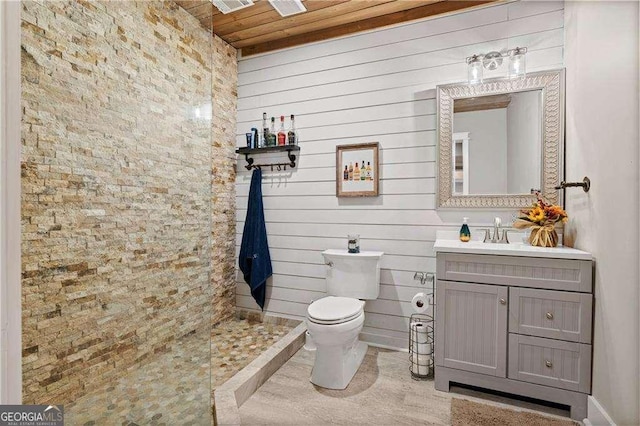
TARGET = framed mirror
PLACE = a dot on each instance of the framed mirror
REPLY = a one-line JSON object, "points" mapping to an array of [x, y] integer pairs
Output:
{"points": [[500, 140]]}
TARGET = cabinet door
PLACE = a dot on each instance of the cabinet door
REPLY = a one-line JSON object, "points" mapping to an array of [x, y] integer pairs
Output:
{"points": [[471, 327]]}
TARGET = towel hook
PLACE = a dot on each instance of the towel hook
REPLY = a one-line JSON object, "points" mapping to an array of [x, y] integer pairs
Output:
{"points": [[279, 167]]}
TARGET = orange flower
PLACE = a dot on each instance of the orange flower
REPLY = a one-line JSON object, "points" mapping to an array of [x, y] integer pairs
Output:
{"points": [[536, 214], [541, 213], [555, 211]]}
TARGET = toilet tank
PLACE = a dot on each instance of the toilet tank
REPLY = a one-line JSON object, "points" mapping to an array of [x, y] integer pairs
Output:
{"points": [[354, 275]]}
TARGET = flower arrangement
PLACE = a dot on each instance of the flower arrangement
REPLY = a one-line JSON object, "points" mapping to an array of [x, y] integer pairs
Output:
{"points": [[541, 218]]}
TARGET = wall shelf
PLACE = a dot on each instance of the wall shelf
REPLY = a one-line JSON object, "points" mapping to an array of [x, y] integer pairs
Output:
{"points": [[289, 149]]}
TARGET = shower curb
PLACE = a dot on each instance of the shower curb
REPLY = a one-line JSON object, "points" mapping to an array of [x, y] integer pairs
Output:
{"points": [[234, 392]]}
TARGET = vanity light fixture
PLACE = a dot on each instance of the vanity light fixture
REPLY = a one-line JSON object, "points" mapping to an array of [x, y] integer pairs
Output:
{"points": [[517, 62], [474, 64], [493, 60]]}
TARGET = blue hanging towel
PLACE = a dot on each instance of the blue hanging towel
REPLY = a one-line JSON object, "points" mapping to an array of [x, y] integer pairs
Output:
{"points": [[254, 260]]}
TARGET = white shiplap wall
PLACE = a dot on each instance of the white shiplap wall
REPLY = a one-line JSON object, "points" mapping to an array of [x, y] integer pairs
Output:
{"points": [[376, 86]]}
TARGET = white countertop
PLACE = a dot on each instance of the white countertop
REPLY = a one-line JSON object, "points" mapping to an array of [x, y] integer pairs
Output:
{"points": [[518, 248]]}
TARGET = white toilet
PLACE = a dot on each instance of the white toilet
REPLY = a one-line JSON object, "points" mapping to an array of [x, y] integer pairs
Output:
{"points": [[334, 322]]}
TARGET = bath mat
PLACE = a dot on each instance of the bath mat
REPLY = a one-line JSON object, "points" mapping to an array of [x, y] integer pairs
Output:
{"points": [[468, 413]]}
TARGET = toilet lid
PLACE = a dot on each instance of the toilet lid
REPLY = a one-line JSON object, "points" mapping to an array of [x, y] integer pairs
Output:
{"points": [[332, 309]]}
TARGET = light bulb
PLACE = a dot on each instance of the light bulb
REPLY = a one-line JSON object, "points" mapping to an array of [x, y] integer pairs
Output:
{"points": [[474, 71], [517, 62]]}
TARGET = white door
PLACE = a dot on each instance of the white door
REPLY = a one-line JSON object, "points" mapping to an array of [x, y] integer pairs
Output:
{"points": [[460, 167]]}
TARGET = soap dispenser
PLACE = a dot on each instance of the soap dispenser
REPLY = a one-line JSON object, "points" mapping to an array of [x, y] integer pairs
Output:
{"points": [[465, 233]]}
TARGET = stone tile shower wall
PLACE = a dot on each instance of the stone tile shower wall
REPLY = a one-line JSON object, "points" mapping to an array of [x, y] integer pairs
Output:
{"points": [[118, 199], [225, 97]]}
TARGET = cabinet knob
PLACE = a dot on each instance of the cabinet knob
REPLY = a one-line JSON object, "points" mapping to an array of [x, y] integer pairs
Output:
{"points": [[503, 302], [549, 316], [548, 363]]}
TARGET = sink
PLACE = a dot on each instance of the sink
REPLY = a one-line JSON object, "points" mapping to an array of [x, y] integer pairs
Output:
{"points": [[450, 245]]}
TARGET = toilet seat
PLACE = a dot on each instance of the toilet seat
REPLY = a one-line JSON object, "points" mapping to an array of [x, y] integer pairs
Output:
{"points": [[334, 310]]}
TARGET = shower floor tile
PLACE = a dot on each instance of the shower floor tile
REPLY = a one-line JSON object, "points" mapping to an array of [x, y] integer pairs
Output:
{"points": [[176, 387], [234, 344], [171, 388]]}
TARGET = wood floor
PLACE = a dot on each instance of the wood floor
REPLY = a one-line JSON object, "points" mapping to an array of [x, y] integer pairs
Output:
{"points": [[381, 393]]}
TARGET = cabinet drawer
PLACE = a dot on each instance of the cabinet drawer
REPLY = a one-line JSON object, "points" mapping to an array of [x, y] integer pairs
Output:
{"points": [[552, 314], [565, 365]]}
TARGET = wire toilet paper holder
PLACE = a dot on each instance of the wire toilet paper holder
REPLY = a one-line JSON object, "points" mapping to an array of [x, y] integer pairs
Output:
{"points": [[421, 346], [421, 341]]}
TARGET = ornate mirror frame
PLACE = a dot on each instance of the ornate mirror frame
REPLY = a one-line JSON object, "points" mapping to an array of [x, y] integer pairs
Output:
{"points": [[552, 85]]}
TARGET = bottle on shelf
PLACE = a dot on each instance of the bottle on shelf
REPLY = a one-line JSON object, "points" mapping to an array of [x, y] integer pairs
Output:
{"points": [[272, 132], [255, 140], [356, 172], [265, 130], [259, 136], [350, 171], [282, 134], [369, 177], [292, 135], [363, 171], [345, 174]]}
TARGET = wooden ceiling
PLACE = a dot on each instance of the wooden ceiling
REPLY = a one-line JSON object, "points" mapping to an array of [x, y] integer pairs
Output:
{"points": [[259, 28]]}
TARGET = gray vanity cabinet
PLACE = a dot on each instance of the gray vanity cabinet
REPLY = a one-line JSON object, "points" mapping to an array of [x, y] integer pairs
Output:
{"points": [[519, 325]]}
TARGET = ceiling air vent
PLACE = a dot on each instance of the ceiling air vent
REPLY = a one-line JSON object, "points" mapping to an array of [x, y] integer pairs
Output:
{"points": [[288, 7], [228, 6]]}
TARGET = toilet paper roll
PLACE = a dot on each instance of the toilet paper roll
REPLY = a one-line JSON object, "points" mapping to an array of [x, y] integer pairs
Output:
{"points": [[420, 365], [421, 349], [420, 302], [419, 337]]}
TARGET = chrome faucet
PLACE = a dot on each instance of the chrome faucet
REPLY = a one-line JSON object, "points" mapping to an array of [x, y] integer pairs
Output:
{"points": [[496, 230], [497, 223]]}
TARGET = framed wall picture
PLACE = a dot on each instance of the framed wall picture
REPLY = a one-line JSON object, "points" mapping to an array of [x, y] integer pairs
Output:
{"points": [[357, 170]]}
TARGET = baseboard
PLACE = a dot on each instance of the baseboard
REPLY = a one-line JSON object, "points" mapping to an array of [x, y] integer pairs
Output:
{"points": [[386, 342], [393, 348], [596, 414]]}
